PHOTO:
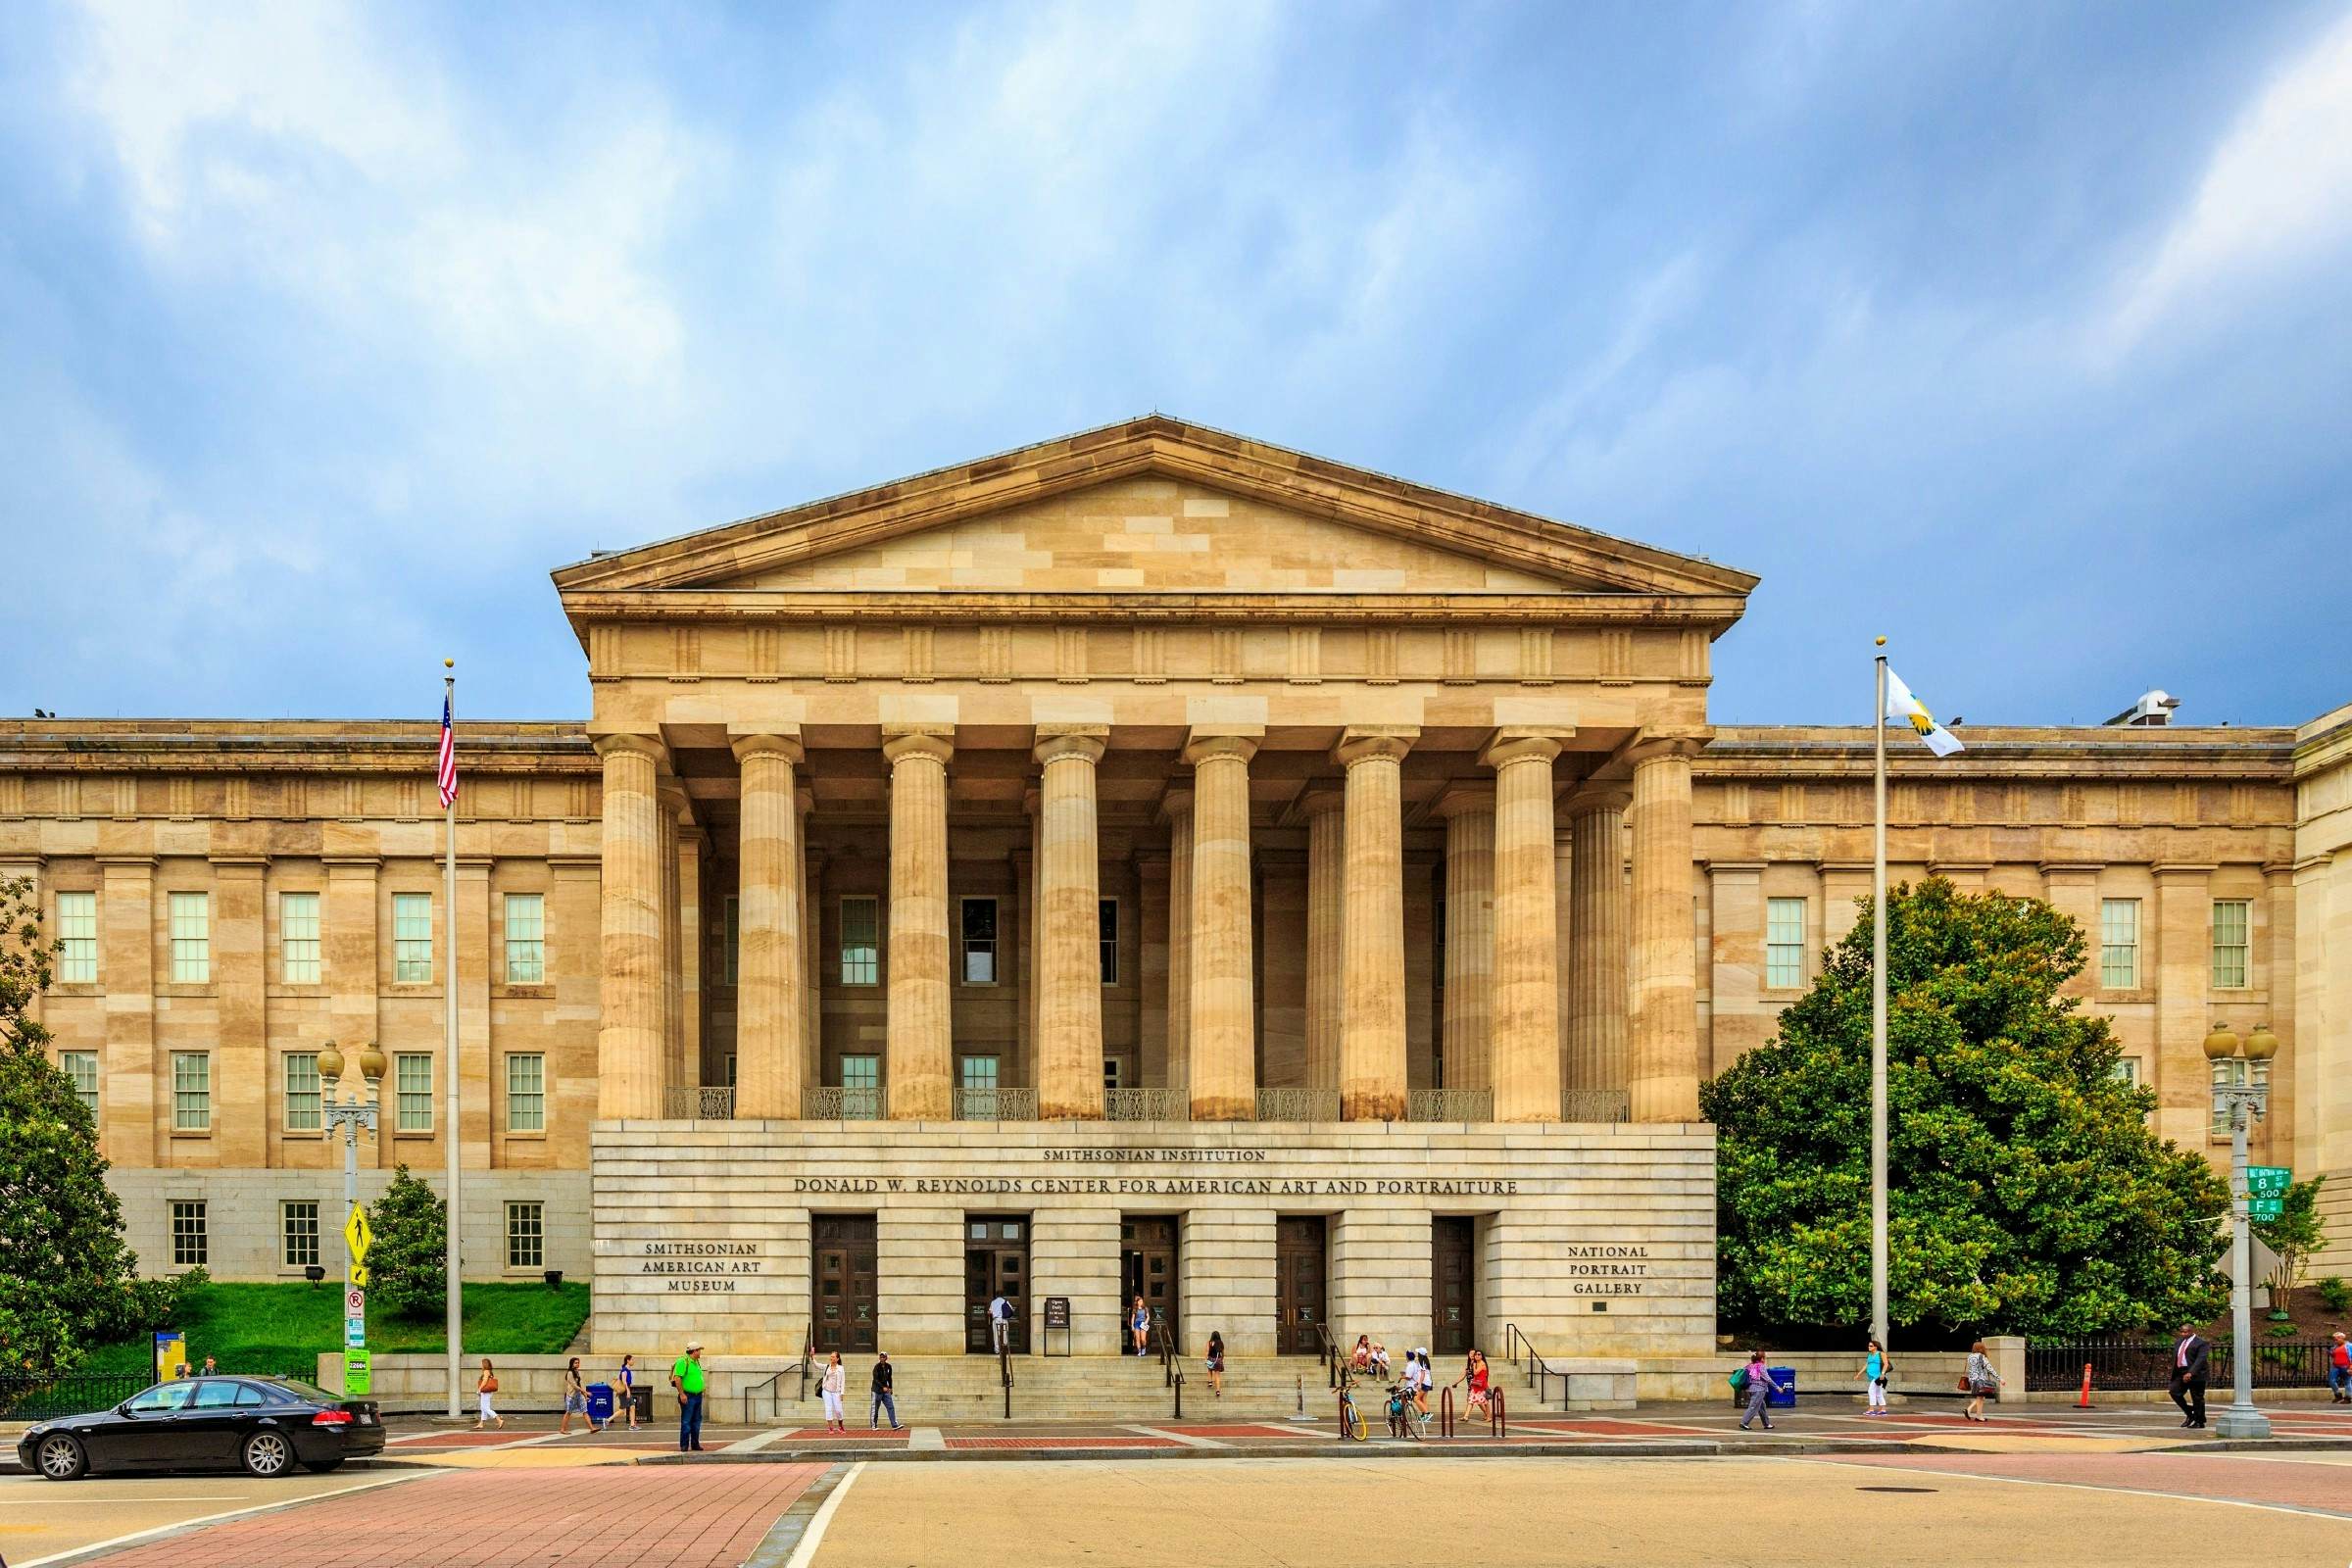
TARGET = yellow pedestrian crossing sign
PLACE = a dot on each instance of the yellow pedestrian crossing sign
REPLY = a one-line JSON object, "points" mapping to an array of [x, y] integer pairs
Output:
{"points": [[357, 1233]]}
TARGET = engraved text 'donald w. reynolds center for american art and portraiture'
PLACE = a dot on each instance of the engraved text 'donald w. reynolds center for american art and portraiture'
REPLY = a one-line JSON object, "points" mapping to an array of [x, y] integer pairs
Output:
{"points": [[1148, 864]]}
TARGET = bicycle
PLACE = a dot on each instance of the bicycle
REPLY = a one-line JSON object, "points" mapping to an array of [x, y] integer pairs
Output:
{"points": [[1352, 1420], [1406, 1418]]}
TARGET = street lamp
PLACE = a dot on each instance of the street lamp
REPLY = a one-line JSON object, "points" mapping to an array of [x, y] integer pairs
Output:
{"points": [[353, 1114], [2245, 1101]]}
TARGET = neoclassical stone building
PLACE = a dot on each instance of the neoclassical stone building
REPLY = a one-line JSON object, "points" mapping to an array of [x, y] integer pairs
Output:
{"points": [[1149, 863]]}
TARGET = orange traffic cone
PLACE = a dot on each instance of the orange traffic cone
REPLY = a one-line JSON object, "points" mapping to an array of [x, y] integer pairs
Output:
{"points": [[2084, 1403]]}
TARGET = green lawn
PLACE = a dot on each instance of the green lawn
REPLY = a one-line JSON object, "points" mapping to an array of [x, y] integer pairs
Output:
{"points": [[282, 1326]]}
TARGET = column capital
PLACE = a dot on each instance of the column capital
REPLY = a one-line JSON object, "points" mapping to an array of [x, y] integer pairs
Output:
{"points": [[1153, 865], [621, 744], [1464, 798], [2181, 870], [768, 742], [934, 741], [1589, 798], [2072, 868], [1668, 745], [1057, 741], [1321, 801], [1511, 745], [1365, 743], [1208, 745]]}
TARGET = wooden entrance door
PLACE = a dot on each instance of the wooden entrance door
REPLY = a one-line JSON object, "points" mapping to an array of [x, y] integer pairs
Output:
{"points": [[996, 1257], [1453, 1282], [1300, 1268], [1148, 1268], [842, 1288]]}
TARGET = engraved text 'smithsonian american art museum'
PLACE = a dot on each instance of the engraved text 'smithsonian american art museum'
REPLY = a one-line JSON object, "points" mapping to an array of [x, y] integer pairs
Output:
{"points": [[1150, 863]]}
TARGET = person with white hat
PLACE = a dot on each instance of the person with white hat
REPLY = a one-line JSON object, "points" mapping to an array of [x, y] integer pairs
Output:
{"points": [[686, 1376]]}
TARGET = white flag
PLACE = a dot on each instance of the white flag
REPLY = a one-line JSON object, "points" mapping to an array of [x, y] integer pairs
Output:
{"points": [[1903, 708]]}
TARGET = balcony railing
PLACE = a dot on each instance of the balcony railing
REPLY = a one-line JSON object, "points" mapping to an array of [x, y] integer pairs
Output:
{"points": [[690, 1104], [1449, 1105], [1298, 1104], [1595, 1104], [996, 1105], [1146, 1105], [833, 1103]]}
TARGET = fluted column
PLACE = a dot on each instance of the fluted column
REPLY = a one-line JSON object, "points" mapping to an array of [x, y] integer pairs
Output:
{"points": [[1662, 1072], [1527, 932], [1069, 1013], [770, 1015], [1596, 939], [917, 1036], [630, 1037], [670, 803], [812, 962], [1177, 806], [1223, 1027], [1372, 1057], [1466, 1038], [1326, 874]]}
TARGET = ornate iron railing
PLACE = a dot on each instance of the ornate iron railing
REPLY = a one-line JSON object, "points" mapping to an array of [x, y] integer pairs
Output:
{"points": [[1595, 1104], [2147, 1364], [996, 1105], [32, 1396], [698, 1104], [832, 1102], [1146, 1105], [1298, 1104], [1449, 1105]]}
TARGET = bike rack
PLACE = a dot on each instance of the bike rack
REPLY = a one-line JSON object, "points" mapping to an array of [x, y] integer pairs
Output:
{"points": [[1497, 1422], [1445, 1412]]}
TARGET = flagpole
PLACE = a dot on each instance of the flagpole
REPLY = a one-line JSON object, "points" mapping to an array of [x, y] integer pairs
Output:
{"points": [[452, 1259], [1878, 1012]]}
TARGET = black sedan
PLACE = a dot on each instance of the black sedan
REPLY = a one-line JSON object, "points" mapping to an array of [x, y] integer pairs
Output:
{"points": [[265, 1426]]}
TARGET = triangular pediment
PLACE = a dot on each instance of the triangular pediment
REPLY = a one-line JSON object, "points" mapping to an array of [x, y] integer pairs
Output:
{"points": [[1147, 506]]}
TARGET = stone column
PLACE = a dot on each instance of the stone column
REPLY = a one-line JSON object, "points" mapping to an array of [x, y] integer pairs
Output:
{"points": [[1372, 1064], [920, 1052], [1737, 1015], [670, 804], [629, 1041], [1467, 1040], [134, 1119], [1662, 1074], [1069, 891], [813, 965], [1527, 932], [1151, 946], [1222, 1027], [1326, 864], [1596, 940], [1177, 806], [771, 1032], [242, 1061], [2184, 975]]}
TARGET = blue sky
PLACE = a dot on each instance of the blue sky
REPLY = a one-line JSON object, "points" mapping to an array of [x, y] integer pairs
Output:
{"points": [[2022, 332]]}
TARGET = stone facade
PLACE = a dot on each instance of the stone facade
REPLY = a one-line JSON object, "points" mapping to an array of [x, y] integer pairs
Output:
{"points": [[1149, 788]]}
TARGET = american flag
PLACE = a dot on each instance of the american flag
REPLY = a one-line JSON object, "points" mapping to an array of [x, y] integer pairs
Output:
{"points": [[448, 768]]}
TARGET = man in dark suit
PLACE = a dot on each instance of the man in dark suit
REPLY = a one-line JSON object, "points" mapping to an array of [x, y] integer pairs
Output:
{"points": [[2190, 1357]]}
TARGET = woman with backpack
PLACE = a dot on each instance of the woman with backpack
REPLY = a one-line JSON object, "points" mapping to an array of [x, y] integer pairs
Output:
{"points": [[1217, 1363], [1754, 1381]]}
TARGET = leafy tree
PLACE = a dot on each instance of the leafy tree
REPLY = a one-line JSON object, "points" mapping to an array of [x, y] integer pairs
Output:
{"points": [[2294, 1235], [408, 1262], [66, 1280], [2027, 1195]]}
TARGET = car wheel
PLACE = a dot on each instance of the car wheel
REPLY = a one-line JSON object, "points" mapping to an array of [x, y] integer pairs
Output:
{"points": [[267, 1453], [319, 1467], [62, 1458]]}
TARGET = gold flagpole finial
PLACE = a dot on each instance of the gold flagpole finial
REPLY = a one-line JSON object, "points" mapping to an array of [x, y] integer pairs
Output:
{"points": [[1881, 642], [451, 663]]}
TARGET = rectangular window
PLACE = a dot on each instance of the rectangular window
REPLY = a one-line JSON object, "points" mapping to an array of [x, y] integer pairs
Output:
{"points": [[978, 1072], [861, 959], [82, 1067], [2119, 944], [860, 1088], [192, 1248], [302, 1093], [412, 939], [191, 939], [298, 1224], [1785, 944], [734, 937], [2232, 919], [1106, 926], [1111, 1072], [2234, 1074], [78, 935], [298, 937], [527, 1235], [191, 1091], [2127, 1069], [526, 1093], [413, 1092], [526, 939], [979, 942]]}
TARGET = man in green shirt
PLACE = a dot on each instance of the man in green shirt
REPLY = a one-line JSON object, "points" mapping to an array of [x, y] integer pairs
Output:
{"points": [[687, 1377]]}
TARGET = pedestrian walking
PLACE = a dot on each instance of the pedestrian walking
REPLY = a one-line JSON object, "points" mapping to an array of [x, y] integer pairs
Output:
{"points": [[999, 1323], [211, 1368], [483, 1387], [1477, 1381], [882, 1400], [2339, 1369], [2192, 1358], [1217, 1363], [1980, 1382], [576, 1398], [834, 1384], [1873, 1378], [1422, 1379], [687, 1377], [1758, 1386], [625, 1383], [1139, 1324]]}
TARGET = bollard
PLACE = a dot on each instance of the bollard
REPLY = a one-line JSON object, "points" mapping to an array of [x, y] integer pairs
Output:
{"points": [[1302, 1394], [1498, 1423], [1445, 1412], [2084, 1403], [1179, 1386]]}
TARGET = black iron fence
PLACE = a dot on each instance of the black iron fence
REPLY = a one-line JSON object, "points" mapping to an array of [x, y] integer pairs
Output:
{"points": [[26, 1397], [2147, 1364]]}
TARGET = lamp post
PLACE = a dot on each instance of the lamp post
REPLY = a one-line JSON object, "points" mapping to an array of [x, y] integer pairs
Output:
{"points": [[2245, 1100], [351, 1113]]}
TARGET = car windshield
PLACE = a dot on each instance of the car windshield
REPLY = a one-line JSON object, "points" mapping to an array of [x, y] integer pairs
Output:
{"points": [[163, 1397]]}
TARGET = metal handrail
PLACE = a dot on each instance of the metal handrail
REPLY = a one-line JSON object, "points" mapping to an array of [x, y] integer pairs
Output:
{"points": [[1146, 1105], [775, 1383], [1596, 1105], [1005, 1368], [693, 1102], [1329, 1353], [807, 1355], [1449, 1105], [834, 1103], [1168, 1352], [1298, 1104], [1539, 1372], [996, 1105]]}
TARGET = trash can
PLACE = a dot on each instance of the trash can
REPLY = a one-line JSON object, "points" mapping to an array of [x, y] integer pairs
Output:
{"points": [[600, 1403], [1782, 1395], [644, 1395]]}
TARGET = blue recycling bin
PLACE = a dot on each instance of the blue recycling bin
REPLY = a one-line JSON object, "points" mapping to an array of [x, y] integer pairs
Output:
{"points": [[600, 1403], [1782, 1395]]}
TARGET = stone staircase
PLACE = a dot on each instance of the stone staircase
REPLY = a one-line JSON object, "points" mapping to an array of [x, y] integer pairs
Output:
{"points": [[946, 1389]]}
